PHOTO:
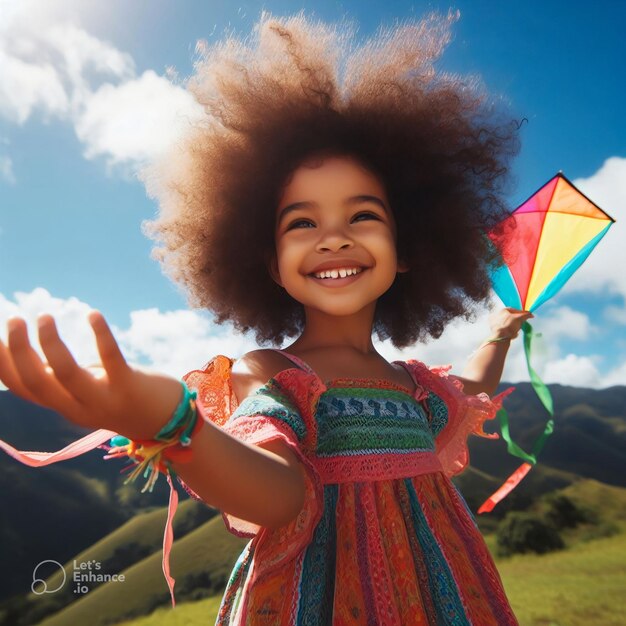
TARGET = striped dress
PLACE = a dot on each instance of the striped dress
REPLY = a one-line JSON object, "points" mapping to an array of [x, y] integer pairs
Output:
{"points": [[384, 538]]}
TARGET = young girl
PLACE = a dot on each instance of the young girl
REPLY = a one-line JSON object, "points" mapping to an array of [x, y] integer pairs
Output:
{"points": [[325, 209]]}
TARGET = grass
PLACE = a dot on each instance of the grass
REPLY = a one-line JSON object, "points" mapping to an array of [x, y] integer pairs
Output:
{"points": [[201, 613], [582, 585], [575, 587], [144, 530]]}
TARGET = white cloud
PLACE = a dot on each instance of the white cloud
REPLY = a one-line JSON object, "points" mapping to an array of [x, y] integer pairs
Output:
{"points": [[171, 342], [575, 371], [178, 341], [565, 322], [615, 314], [6, 169], [603, 270], [460, 339], [27, 86], [52, 66], [616, 376], [70, 314], [134, 122], [46, 65], [81, 52]]}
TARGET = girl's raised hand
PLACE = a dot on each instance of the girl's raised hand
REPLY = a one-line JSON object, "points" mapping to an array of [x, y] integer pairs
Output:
{"points": [[508, 321], [115, 396]]}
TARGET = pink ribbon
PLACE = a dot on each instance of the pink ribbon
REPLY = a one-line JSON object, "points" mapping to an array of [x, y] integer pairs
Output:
{"points": [[87, 443]]}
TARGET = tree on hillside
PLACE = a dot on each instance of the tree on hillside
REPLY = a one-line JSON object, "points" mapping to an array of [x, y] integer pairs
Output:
{"points": [[526, 532]]}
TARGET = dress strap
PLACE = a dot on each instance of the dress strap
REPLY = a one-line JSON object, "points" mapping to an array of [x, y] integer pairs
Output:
{"points": [[410, 370], [294, 359]]}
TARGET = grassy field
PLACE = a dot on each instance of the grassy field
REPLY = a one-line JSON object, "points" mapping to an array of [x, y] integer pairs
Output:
{"points": [[582, 585], [201, 613], [575, 587]]}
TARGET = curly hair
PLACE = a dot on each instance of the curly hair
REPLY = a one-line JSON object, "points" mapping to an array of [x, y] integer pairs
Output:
{"points": [[440, 145]]}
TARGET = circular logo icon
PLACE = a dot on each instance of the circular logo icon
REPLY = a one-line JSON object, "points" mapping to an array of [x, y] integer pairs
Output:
{"points": [[39, 586]]}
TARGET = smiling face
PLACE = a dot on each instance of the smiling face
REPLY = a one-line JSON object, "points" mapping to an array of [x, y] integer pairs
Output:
{"points": [[335, 237]]}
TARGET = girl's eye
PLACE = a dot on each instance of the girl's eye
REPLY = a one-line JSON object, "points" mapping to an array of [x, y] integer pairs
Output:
{"points": [[367, 215], [297, 222], [307, 223]]}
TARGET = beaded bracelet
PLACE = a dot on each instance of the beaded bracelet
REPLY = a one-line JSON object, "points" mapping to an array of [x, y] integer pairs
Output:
{"points": [[171, 444]]}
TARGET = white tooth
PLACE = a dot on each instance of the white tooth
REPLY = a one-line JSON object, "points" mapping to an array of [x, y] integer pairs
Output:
{"points": [[343, 272]]}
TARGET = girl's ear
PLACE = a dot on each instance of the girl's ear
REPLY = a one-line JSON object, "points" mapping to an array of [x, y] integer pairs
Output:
{"points": [[403, 266], [272, 266]]}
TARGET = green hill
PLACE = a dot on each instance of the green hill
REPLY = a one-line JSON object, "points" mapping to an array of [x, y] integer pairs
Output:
{"points": [[590, 424], [133, 542], [203, 559], [80, 500]]}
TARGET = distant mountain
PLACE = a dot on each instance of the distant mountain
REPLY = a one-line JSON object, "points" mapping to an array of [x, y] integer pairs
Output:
{"points": [[589, 441], [81, 507], [54, 512], [134, 551]]}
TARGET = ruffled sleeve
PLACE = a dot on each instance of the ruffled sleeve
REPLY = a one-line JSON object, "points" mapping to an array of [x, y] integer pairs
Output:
{"points": [[275, 411], [454, 415]]}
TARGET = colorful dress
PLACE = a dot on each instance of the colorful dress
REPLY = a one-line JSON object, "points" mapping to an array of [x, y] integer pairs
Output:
{"points": [[384, 538]]}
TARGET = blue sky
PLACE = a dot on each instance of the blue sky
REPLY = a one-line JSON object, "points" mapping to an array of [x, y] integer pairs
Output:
{"points": [[88, 93]]}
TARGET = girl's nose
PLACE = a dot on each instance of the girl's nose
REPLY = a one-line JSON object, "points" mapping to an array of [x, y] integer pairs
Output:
{"points": [[334, 241]]}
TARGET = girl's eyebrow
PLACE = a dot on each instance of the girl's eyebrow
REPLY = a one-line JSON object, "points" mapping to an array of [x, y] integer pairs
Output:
{"points": [[349, 201]]}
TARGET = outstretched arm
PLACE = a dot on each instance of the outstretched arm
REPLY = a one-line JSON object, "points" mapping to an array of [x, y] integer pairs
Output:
{"points": [[263, 486], [484, 369]]}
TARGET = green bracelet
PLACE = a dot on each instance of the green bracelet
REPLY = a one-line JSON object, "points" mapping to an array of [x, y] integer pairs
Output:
{"points": [[496, 339], [185, 417], [492, 340]]}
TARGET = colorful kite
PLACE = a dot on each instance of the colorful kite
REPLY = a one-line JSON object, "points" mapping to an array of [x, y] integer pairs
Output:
{"points": [[542, 243], [555, 231]]}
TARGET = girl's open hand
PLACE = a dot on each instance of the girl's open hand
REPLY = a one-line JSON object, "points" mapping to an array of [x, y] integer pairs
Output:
{"points": [[115, 396], [507, 322]]}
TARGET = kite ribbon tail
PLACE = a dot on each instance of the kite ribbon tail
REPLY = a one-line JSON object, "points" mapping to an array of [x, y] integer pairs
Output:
{"points": [[520, 473], [511, 482], [542, 391], [168, 537], [513, 448]]}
